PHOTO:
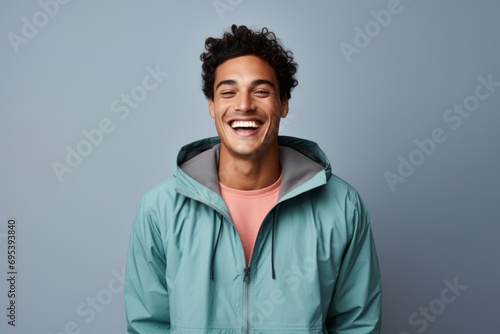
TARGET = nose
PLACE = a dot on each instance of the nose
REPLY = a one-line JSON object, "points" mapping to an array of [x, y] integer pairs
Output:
{"points": [[244, 102]]}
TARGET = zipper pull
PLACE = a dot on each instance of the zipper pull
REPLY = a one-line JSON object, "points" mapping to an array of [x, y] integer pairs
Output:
{"points": [[246, 275]]}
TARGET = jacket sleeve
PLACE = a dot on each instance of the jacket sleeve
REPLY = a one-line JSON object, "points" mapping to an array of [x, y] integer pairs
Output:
{"points": [[146, 295], [355, 307]]}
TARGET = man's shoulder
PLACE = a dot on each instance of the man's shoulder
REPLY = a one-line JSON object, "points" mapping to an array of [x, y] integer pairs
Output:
{"points": [[342, 192], [338, 184], [163, 189]]}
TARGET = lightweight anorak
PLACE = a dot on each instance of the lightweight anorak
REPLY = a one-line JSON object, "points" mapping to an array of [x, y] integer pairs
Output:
{"points": [[313, 269]]}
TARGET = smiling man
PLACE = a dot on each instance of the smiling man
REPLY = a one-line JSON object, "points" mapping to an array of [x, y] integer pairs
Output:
{"points": [[247, 109], [253, 233]]}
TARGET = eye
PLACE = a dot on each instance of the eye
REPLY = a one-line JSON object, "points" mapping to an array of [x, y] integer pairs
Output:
{"points": [[227, 94], [262, 93]]}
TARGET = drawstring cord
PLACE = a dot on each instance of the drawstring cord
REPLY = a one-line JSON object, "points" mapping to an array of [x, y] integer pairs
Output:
{"points": [[215, 249], [273, 274]]}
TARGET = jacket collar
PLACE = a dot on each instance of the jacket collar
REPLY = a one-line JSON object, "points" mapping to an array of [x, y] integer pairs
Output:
{"points": [[304, 166]]}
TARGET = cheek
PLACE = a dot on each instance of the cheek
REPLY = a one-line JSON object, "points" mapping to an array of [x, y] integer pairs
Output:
{"points": [[277, 114]]}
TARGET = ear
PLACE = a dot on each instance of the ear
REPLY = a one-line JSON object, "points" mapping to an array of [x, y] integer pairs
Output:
{"points": [[211, 108], [284, 107]]}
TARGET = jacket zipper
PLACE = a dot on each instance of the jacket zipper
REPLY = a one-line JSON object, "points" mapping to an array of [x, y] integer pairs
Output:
{"points": [[246, 282], [246, 270], [246, 277]]}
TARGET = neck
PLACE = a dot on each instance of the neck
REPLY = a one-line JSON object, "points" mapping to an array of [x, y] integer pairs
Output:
{"points": [[252, 173]]}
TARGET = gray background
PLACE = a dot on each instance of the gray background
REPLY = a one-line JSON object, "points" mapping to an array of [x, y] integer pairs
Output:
{"points": [[365, 110]]}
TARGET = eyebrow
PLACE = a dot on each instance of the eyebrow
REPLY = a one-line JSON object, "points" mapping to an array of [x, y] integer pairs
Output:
{"points": [[254, 83]]}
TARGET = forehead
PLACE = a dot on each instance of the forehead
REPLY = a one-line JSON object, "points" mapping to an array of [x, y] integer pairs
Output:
{"points": [[245, 68]]}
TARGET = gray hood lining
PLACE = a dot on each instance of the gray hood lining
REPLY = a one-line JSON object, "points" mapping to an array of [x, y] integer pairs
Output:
{"points": [[297, 168]]}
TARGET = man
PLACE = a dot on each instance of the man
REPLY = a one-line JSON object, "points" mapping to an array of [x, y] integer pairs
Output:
{"points": [[253, 233]]}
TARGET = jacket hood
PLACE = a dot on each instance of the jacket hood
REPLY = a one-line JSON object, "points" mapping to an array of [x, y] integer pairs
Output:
{"points": [[302, 161]]}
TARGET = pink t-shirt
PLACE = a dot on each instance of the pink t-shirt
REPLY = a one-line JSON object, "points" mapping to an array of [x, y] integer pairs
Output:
{"points": [[248, 208]]}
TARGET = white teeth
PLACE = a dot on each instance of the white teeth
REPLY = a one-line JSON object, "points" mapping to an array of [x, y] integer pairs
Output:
{"points": [[244, 124]]}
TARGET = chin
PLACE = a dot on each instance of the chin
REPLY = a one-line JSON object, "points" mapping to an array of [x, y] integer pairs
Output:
{"points": [[246, 152]]}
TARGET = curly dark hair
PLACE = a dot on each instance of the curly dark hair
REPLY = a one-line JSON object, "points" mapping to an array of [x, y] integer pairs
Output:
{"points": [[242, 41]]}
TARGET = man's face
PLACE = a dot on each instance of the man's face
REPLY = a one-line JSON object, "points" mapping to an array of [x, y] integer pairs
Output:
{"points": [[246, 106]]}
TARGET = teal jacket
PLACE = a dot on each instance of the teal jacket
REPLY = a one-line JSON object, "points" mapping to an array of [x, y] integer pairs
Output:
{"points": [[313, 269]]}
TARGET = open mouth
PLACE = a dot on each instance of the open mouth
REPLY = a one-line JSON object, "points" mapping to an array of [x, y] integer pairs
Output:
{"points": [[245, 127]]}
